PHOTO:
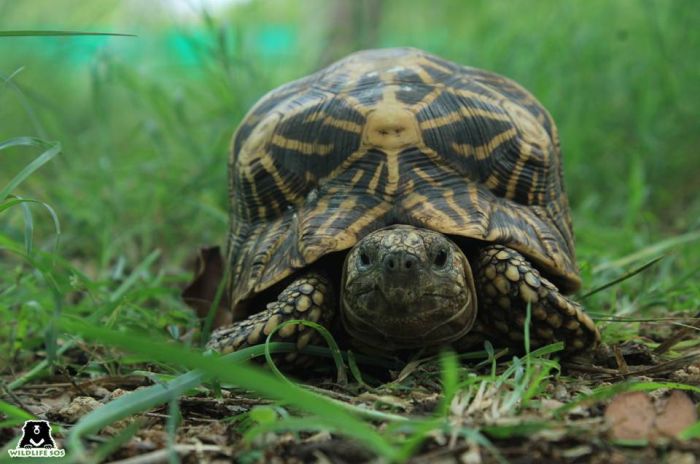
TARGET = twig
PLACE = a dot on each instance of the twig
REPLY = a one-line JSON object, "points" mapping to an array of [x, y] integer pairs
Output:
{"points": [[161, 455], [679, 335]]}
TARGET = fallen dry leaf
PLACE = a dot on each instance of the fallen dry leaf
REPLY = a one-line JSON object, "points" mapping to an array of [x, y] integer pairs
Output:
{"points": [[678, 414], [201, 291], [631, 416]]}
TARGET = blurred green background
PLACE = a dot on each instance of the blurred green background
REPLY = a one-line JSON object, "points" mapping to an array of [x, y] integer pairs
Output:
{"points": [[145, 121]]}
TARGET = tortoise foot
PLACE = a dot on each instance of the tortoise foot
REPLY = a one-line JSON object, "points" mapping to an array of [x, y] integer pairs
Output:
{"points": [[307, 298], [507, 282]]}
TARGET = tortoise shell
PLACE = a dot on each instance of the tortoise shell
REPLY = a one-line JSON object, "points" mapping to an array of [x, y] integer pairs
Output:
{"points": [[393, 136]]}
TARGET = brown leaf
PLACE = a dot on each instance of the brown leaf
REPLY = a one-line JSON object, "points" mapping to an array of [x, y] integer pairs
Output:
{"points": [[631, 416], [201, 291], [678, 414]]}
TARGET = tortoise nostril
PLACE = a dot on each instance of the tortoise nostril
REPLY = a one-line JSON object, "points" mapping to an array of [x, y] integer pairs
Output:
{"points": [[400, 261], [408, 262]]}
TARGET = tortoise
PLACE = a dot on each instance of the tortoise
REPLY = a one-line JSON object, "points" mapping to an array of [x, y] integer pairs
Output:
{"points": [[404, 202]]}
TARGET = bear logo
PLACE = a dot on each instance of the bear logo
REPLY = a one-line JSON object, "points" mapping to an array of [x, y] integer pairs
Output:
{"points": [[36, 434]]}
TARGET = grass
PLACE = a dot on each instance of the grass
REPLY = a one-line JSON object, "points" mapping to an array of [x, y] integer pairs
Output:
{"points": [[143, 125]]}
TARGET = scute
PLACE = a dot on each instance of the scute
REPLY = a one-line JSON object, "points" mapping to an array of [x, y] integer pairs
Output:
{"points": [[394, 136]]}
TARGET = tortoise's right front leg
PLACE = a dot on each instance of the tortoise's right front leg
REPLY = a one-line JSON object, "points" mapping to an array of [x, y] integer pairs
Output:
{"points": [[310, 297]]}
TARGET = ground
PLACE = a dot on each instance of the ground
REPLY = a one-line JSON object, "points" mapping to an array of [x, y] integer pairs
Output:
{"points": [[113, 152], [623, 403]]}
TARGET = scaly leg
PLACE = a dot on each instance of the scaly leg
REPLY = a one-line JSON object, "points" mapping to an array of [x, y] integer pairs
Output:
{"points": [[506, 282], [310, 297]]}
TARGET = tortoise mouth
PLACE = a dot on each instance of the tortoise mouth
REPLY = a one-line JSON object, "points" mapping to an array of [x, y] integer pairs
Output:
{"points": [[439, 322]]}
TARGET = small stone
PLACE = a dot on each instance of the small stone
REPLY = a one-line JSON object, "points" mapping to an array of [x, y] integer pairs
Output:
{"points": [[317, 298]]}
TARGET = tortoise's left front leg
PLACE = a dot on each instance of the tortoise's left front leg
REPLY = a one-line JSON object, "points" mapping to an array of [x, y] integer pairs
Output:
{"points": [[506, 283]]}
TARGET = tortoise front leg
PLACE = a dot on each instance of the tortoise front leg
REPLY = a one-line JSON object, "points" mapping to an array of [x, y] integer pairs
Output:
{"points": [[506, 282], [309, 297]]}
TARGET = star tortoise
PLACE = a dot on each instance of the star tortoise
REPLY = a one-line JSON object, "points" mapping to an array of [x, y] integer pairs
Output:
{"points": [[402, 201]]}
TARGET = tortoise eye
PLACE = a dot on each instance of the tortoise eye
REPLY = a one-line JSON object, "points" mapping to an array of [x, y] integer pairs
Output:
{"points": [[440, 258]]}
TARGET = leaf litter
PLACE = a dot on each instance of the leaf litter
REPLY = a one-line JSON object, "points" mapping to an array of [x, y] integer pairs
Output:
{"points": [[567, 420]]}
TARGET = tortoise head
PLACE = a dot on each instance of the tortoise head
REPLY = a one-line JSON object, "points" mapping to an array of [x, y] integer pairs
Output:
{"points": [[407, 287]]}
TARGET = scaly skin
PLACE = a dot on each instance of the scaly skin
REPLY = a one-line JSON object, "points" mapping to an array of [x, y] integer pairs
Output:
{"points": [[506, 282], [405, 288], [310, 298]]}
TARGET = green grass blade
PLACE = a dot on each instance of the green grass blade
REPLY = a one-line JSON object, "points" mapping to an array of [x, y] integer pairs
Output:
{"points": [[450, 380], [691, 433], [24, 202], [38, 33], [655, 249], [101, 453], [214, 307], [171, 426], [54, 218], [609, 391], [149, 397], [342, 376], [54, 148], [244, 376], [24, 102], [14, 415], [134, 276], [622, 278], [28, 228], [9, 78], [355, 370]]}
